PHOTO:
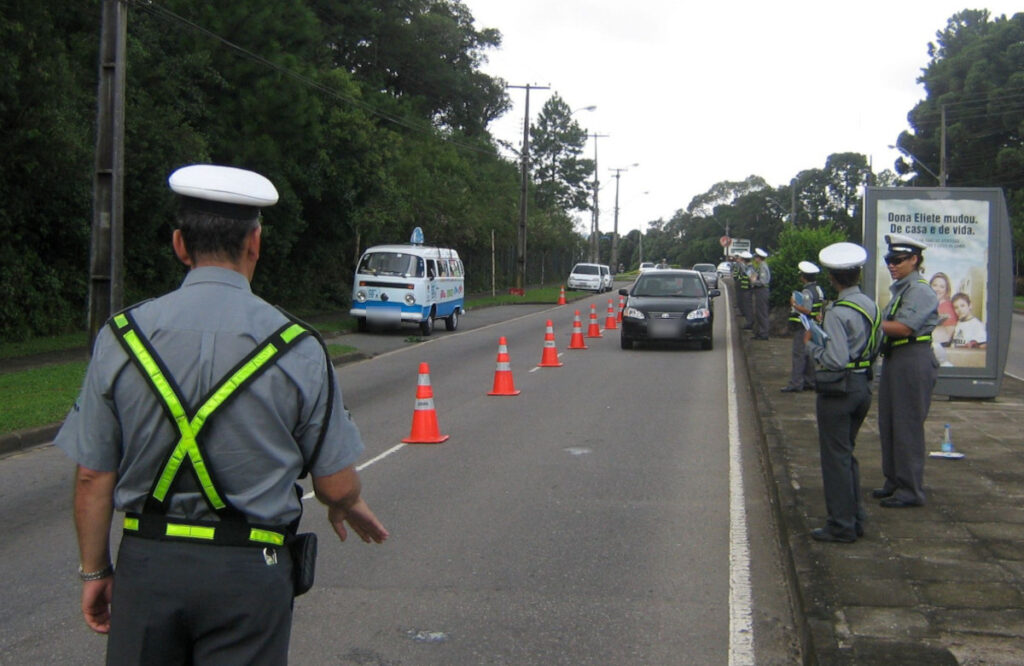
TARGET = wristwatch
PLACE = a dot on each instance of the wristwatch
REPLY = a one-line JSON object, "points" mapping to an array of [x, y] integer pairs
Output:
{"points": [[95, 575]]}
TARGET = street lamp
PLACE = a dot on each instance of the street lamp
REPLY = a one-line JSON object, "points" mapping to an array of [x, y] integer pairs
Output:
{"points": [[919, 163], [615, 229]]}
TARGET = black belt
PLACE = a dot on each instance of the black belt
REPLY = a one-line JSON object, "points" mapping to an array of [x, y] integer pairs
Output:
{"points": [[215, 532]]}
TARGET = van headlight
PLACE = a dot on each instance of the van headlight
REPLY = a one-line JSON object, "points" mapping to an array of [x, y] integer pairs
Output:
{"points": [[410, 299], [361, 296]]}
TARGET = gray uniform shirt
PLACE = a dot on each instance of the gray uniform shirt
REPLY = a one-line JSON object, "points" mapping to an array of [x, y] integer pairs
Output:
{"points": [[764, 275], [256, 445], [918, 307], [847, 329]]}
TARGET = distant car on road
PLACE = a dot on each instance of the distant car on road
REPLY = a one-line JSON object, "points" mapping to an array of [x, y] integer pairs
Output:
{"points": [[589, 277], [646, 266], [709, 273], [670, 305], [606, 277], [725, 269]]}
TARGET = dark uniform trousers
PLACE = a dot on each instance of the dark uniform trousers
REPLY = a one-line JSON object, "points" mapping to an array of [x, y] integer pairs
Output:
{"points": [[801, 374], [909, 373], [746, 301], [839, 421], [186, 603], [761, 311]]}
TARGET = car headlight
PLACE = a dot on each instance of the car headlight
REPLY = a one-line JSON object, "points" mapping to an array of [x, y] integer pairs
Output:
{"points": [[699, 313], [633, 313], [410, 299], [361, 296]]}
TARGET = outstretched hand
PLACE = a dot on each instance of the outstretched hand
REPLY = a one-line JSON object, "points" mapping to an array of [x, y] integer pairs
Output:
{"points": [[361, 519]]}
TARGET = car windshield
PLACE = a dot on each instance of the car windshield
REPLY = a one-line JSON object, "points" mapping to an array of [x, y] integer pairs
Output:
{"points": [[392, 263], [704, 268], [581, 269], [686, 286]]}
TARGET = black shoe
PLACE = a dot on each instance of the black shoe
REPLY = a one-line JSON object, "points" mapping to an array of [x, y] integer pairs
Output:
{"points": [[823, 534], [881, 493], [790, 389], [897, 503], [808, 388], [859, 529]]}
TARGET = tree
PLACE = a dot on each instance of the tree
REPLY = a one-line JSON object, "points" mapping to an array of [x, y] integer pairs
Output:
{"points": [[560, 173]]}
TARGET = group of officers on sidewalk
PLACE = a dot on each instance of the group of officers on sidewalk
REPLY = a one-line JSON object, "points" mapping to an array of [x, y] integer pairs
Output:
{"points": [[835, 345]]}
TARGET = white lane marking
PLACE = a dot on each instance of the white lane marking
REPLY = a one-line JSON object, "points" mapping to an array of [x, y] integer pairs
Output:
{"points": [[360, 468], [741, 627]]}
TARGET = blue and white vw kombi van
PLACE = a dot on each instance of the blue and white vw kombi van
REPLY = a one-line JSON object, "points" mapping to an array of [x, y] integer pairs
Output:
{"points": [[409, 283]]}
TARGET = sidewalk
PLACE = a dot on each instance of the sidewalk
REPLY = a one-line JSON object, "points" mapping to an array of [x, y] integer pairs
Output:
{"points": [[940, 584]]}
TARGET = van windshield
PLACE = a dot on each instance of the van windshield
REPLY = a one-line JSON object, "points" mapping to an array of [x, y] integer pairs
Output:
{"points": [[392, 263]]}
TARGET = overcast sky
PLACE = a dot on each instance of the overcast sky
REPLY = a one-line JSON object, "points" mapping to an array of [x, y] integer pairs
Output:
{"points": [[699, 93]]}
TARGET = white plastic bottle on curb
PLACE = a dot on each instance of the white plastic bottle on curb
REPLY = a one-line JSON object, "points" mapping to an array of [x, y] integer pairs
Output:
{"points": [[947, 441]]}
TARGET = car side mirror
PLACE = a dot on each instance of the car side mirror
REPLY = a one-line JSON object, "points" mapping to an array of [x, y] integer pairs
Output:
{"points": [[714, 292], [623, 292]]}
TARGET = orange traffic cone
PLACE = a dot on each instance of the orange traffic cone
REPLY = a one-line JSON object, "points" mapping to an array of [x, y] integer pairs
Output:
{"points": [[609, 321], [577, 334], [622, 306], [550, 357], [424, 418], [561, 296], [593, 331], [503, 383]]}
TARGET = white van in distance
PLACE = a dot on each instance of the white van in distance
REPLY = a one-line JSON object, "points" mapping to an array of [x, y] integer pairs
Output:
{"points": [[412, 283]]}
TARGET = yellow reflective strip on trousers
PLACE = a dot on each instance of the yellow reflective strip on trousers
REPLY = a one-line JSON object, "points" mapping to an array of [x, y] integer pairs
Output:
{"points": [[131, 524], [266, 536], [190, 531]]}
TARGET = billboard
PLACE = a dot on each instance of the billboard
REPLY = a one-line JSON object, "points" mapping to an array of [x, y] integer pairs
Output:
{"points": [[967, 264]]}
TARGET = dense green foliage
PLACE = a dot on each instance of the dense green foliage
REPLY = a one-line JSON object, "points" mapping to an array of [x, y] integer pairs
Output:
{"points": [[371, 117]]}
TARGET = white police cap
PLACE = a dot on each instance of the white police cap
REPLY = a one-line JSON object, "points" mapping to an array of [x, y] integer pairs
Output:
{"points": [[223, 190], [841, 256], [901, 243], [807, 268], [761, 253], [745, 255]]}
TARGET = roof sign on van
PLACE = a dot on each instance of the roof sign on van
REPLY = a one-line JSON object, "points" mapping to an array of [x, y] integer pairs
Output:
{"points": [[417, 236]]}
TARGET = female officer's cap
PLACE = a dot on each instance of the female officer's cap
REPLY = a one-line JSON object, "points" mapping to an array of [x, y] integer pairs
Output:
{"points": [[901, 243], [808, 268], [843, 256], [223, 190]]}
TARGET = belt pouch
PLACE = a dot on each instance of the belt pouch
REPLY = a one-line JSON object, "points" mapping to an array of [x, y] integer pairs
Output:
{"points": [[303, 551], [831, 382]]}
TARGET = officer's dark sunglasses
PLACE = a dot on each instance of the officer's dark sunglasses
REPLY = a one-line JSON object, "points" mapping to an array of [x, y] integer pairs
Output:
{"points": [[896, 259]]}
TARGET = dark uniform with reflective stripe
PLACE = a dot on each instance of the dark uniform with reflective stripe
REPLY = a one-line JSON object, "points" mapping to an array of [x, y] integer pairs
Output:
{"points": [[909, 372], [207, 484], [852, 323]]}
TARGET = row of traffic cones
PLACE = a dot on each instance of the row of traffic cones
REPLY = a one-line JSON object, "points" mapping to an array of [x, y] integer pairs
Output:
{"points": [[425, 429]]}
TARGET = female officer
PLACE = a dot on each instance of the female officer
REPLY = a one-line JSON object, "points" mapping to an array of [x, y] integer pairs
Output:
{"points": [[909, 372], [851, 325]]}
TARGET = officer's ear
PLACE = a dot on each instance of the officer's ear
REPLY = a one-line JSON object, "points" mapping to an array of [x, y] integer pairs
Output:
{"points": [[178, 242]]}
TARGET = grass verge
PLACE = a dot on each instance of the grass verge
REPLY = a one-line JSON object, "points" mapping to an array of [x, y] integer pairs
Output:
{"points": [[36, 397]]}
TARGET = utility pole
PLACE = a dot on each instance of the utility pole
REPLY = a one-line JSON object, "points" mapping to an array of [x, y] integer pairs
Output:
{"points": [[595, 230], [106, 254], [942, 150], [615, 229], [520, 287]]}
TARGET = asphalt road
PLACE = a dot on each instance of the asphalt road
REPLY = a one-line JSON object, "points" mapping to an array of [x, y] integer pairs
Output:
{"points": [[585, 521]]}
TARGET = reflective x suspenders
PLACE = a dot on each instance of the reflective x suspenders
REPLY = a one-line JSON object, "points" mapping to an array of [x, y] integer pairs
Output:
{"points": [[867, 355], [232, 529], [891, 343]]}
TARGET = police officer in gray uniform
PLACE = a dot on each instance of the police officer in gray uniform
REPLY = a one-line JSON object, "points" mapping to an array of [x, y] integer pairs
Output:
{"points": [[199, 411], [744, 293], [760, 283], [852, 324], [909, 372], [801, 374]]}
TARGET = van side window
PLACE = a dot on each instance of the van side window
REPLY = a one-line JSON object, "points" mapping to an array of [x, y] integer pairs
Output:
{"points": [[442, 267], [431, 268]]}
